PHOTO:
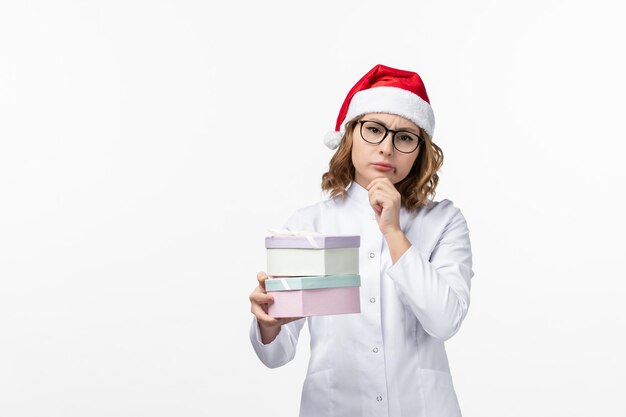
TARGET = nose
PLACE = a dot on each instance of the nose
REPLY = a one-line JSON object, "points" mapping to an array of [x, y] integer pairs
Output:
{"points": [[386, 146]]}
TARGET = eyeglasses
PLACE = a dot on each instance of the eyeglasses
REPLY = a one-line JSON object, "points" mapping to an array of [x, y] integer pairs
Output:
{"points": [[375, 133]]}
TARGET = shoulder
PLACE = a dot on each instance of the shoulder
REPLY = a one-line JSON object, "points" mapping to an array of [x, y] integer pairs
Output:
{"points": [[307, 217], [440, 214], [443, 208]]}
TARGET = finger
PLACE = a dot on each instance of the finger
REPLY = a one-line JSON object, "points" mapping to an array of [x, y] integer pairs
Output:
{"points": [[383, 184], [378, 199], [377, 191], [286, 320], [379, 181], [262, 316], [261, 298], [386, 187], [384, 196], [261, 276]]}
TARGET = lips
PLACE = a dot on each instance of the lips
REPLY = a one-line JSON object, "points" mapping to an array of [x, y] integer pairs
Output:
{"points": [[383, 164]]}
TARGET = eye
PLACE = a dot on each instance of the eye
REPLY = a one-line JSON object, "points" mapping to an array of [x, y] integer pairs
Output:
{"points": [[406, 137], [373, 129]]}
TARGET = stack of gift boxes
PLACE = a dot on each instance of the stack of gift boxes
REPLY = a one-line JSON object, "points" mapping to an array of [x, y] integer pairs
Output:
{"points": [[313, 275]]}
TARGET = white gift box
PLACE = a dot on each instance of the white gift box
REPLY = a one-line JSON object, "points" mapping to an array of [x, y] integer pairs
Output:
{"points": [[312, 255], [297, 262]]}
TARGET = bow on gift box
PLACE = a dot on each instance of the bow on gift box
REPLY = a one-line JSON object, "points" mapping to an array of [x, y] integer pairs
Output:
{"points": [[306, 234]]}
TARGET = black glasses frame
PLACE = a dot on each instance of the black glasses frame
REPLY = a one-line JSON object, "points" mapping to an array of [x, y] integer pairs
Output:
{"points": [[393, 138]]}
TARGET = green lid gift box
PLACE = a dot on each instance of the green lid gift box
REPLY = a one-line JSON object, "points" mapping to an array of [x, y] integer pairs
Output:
{"points": [[311, 274]]}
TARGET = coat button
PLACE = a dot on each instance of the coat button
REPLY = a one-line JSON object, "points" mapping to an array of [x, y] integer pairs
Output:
{"points": [[372, 300], [379, 398], [372, 254], [375, 350]]}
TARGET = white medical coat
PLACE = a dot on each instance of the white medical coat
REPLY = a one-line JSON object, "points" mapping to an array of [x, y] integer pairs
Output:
{"points": [[390, 359]]}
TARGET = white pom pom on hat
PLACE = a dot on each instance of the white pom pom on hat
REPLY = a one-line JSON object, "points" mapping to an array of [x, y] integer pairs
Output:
{"points": [[333, 139], [385, 90]]}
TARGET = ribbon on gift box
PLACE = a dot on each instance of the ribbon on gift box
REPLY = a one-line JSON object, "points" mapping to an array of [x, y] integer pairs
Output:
{"points": [[306, 234], [282, 283]]}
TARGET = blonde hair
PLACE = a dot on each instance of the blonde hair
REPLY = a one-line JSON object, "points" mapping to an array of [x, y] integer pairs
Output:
{"points": [[415, 190]]}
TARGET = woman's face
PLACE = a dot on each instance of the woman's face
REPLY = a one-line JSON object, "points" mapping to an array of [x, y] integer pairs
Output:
{"points": [[365, 155]]}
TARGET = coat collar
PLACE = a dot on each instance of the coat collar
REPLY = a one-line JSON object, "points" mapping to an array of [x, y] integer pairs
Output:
{"points": [[359, 195]]}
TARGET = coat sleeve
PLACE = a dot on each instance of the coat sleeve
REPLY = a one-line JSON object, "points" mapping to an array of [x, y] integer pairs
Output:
{"points": [[282, 349], [437, 290]]}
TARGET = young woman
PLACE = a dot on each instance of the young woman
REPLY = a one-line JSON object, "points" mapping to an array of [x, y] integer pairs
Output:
{"points": [[415, 263]]}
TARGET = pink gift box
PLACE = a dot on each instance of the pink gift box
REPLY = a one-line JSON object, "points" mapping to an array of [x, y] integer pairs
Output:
{"points": [[315, 302]]}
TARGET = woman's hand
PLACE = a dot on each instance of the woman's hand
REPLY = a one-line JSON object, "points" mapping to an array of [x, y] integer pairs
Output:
{"points": [[386, 202], [260, 300]]}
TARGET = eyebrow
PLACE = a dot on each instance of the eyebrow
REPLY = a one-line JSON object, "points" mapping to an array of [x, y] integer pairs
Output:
{"points": [[402, 129]]}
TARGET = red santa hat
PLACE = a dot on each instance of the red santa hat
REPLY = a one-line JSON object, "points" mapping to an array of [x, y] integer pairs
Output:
{"points": [[385, 90]]}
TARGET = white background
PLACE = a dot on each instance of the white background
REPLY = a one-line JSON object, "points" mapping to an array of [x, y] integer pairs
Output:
{"points": [[146, 147]]}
